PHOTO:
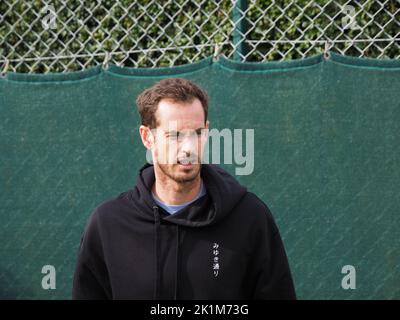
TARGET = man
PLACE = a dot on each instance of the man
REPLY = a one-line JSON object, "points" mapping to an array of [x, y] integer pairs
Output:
{"points": [[186, 230]]}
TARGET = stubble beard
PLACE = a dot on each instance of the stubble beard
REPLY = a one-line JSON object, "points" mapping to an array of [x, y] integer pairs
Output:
{"points": [[180, 176]]}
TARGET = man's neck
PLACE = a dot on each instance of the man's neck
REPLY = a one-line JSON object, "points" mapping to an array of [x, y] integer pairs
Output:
{"points": [[173, 193]]}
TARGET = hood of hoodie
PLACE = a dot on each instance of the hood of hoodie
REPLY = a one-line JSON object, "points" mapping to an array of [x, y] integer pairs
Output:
{"points": [[223, 194]]}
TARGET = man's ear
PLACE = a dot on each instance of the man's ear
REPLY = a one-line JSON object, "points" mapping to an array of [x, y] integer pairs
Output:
{"points": [[147, 136]]}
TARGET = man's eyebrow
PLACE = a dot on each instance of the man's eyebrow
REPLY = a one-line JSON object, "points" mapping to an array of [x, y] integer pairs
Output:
{"points": [[198, 130], [168, 132]]}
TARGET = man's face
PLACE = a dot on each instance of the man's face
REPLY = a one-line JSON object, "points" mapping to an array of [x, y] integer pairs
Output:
{"points": [[179, 139]]}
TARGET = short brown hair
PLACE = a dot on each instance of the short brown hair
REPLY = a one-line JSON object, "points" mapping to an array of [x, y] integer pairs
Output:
{"points": [[176, 89]]}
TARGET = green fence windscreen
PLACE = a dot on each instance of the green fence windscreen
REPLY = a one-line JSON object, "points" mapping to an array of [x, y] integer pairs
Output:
{"points": [[326, 161]]}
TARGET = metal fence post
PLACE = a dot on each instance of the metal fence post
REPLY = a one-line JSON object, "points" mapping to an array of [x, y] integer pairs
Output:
{"points": [[240, 29]]}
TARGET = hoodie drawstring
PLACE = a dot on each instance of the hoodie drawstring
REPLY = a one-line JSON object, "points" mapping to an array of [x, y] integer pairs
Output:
{"points": [[156, 253], [177, 262]]}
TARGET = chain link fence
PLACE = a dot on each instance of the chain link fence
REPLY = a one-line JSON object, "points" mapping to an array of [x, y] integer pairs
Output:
{"points": [[60, 36]]}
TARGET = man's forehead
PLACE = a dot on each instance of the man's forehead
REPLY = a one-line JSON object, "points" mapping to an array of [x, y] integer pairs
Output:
{"points": [[181, 123], [172, 126]]}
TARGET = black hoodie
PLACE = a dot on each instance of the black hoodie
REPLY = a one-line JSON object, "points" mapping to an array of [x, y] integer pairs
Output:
{"points": [[224, 245]]}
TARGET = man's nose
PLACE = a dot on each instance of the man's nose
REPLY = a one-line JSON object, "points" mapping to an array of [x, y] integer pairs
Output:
{"points": [[189, 144]]}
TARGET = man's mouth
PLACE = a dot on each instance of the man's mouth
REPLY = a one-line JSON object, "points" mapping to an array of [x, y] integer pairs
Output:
{"points": [[187, 162]]}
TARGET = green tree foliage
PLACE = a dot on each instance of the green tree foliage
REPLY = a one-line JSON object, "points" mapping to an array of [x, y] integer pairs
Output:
{"points": [[85, 30]]}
